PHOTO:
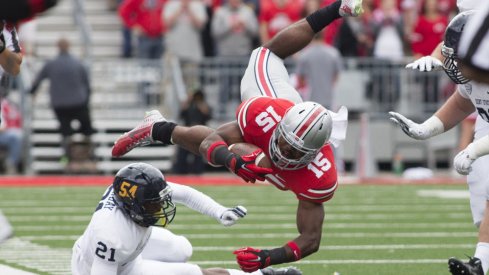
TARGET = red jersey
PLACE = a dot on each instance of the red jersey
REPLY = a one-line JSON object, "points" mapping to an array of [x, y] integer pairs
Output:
{"points": [[257, 118]]}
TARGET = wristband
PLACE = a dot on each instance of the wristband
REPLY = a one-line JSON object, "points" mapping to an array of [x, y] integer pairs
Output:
{"points": [[324, 16], [295, 250], [434, 126], [211, 150], [278, 256]]}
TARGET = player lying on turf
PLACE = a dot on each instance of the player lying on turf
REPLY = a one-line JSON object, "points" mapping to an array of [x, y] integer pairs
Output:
{"points": [[126, 235], [293, 134], [470, 96]]}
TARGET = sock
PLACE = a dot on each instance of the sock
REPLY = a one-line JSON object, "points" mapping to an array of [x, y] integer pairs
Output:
{"points": [[162, 131], [482, 252], [323, 17], [239, 272]]}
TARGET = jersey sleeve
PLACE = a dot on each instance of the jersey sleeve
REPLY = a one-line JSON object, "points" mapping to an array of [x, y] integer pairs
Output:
{"points": [[243, 113], [318, 195], [11, 38], [103, 267]]}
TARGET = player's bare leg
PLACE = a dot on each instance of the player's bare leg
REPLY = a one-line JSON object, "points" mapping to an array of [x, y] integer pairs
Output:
{"points": [[166, 132]]}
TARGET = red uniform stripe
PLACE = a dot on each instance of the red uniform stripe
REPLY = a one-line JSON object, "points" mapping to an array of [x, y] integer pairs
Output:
{"points": [[308, 122], [261, 72]]}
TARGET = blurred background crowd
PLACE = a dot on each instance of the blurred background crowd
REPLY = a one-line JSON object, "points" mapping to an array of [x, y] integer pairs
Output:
{"points": [[186, 58]]}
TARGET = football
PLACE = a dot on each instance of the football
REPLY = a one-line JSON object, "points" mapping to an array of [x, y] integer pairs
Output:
{"points": [[244, 148]]}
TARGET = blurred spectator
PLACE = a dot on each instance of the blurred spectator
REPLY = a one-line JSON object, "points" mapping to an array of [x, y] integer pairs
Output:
{"points": [[355, 36], [69, 93], [195, 111], [11, 136], [144, 18], [388, 31], [275, 15], [233, 27], [185, 20], [318, 68], [429, 29], [126, 36]]}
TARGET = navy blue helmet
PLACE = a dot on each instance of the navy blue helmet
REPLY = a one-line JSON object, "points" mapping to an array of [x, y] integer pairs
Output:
{"points": [[450, 46], [144, 195]]}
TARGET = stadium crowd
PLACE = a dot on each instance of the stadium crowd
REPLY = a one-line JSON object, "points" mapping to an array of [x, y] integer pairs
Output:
{"points": [[405, 27]]}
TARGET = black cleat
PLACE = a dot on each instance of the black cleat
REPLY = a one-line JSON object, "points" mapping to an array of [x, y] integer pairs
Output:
{"points": [[290, 270], [472, 267]]}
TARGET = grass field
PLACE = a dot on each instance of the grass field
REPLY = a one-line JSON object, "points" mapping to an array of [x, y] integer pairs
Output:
{"points": [[368, 230]]}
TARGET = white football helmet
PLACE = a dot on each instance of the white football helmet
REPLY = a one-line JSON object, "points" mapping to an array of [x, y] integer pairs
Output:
{"points": [[306, 127]]}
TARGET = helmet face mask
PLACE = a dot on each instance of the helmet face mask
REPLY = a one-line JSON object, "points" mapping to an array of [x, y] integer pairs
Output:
{"points": [[303, 131], [453, 33], [450, 66], [144, 195]]}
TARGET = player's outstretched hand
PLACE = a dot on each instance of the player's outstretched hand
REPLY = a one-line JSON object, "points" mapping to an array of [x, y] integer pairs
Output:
{"points": [[409, 127], [464, 159], [245, 167], [426, 64], [231, 215], [251, 259]]}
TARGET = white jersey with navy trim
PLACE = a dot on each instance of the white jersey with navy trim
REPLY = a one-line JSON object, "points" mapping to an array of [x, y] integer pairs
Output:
{"points": [[478, 178], [111, 240], [266, 75]]}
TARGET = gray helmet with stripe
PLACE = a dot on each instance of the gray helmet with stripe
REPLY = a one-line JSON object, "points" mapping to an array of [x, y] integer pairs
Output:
{"points": [[306, 128]]}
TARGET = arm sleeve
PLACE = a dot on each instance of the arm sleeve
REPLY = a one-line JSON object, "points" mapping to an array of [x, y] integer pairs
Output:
{"points": [[196, 200], [103, 267]]}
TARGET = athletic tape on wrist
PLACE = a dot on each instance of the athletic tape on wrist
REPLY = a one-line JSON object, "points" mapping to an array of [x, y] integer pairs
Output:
{"points": [[295, 250], [212, 148]]}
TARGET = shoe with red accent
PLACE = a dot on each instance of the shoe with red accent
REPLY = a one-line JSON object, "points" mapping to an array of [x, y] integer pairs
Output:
{"points": [[351, 8], [137, 137]]}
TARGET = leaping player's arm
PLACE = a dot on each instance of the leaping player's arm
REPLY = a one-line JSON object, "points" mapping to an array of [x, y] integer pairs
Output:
{"points": [[225, 135], [215, 150], [298, 35], [309, 220]]}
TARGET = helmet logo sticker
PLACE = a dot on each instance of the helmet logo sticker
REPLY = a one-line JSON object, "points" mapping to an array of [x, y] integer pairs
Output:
{"points": [[128, 189]]}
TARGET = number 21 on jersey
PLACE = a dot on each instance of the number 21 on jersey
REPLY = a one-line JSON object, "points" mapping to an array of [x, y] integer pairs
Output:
{"points": [[268, 119]]}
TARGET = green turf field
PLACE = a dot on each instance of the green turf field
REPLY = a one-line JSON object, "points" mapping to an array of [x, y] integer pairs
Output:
{"points": [[368, 230]]}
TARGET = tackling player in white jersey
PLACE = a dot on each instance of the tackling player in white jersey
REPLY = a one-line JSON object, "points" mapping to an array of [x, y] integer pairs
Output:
{"points": [[474, 46], [126, 235], [473, 161], [10, 60]]}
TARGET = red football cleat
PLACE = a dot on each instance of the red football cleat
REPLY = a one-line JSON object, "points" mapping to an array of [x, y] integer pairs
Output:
{"points": [[139, 136]]}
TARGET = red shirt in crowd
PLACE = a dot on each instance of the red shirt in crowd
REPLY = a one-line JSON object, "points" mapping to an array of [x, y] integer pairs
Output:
{"points": [[145, 15], [10, 115], [277, 18], [427, 35]]}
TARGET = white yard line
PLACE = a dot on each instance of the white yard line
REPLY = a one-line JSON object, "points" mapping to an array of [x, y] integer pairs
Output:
{"points": [[12, 271]]}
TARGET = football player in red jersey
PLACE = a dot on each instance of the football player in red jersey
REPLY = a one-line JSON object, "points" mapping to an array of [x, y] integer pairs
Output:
{"points": [[292, 133]]}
